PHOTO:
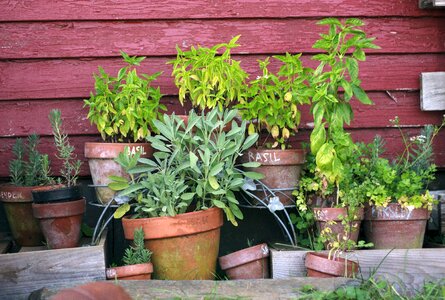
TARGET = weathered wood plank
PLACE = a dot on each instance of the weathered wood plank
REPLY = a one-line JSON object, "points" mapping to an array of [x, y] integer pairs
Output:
{"points": [[400, 266], [158, 38], [432, 93], [70, 78], [22, 273], [201, 9], [223, 289], [20, 118]]}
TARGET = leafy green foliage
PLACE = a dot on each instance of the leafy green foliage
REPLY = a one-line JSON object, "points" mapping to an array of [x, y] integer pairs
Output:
{"points": [[335, 82], [65, 151], [274, 99], [123, 108], [194, 163], [208, 78], [137, 254], [30, 167]]}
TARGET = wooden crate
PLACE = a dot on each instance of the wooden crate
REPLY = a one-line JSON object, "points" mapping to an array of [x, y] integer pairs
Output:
{"points": [[406, 268], [33, 268]]}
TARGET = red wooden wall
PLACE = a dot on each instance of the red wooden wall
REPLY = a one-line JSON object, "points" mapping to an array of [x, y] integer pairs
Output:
{"points": [[50, 49]]}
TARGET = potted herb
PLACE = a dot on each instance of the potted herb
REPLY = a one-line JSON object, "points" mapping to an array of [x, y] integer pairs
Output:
{"points": [[273, 104], [209, 77], [179, 196], [249, 263], [397, 191], [136, 259], [60, 207], [123, 109], [28, 169]]}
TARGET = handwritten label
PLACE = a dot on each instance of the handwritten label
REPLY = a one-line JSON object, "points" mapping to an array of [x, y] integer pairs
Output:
{"points": [[135, 149], [10, 195], [392, 212], [263, 157]]}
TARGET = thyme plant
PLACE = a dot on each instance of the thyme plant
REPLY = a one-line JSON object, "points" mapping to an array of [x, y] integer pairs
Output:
{"points": [[137, 254]]}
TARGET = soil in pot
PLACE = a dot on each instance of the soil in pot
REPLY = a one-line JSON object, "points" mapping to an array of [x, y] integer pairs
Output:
{"points": [[185, 247], [249, 263], [131, 272], [102, 165], [17, 201], [281, 169], [319, 265], [395, 227], [327, 214], [60, 222]]}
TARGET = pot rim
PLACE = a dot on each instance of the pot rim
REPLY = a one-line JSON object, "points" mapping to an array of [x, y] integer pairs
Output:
{"points": [[319, 261], [129, 270], [287, 157], [59, 209], [395, 212], [179, 225], [102, 150], [324, 214], [244, 256]]}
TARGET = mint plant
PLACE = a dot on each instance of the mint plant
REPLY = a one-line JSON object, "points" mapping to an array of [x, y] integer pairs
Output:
{"points": [[65, 151], [335, 82], [123, 108], [274, 100], [29, 167], [208, 78]]}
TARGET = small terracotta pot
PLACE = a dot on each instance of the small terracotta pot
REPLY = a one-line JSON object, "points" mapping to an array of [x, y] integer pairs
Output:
{"points": [[60, 222], [102, 165], [281, 169], [249, 263], [395, 227], [319, 265], [131, 272], [326, 214], [17, 201], [184, 247], [55, 193]]}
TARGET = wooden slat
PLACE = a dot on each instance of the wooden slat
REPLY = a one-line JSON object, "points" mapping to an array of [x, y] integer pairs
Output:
{"points": [[158, 38], [22, 273], [400, 266], [201, 9], [19, 118], [432, 96], [69, 78]]}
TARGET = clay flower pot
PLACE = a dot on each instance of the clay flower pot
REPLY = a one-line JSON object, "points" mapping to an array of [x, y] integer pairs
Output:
{"points": [[17, 201], [55, 193], [326, 214], [395, 227], [281, 169], [101, 161], [60, 222], [249, 263], [319, 265], [131, 272], [184, 247]]}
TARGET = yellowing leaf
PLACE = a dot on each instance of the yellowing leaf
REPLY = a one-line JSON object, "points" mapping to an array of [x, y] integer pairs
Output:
{"points": [[213, 182], [121, 210]]}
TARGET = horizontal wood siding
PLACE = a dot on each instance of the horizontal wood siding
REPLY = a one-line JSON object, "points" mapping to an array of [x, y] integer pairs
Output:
{"points": [[49, 51]]}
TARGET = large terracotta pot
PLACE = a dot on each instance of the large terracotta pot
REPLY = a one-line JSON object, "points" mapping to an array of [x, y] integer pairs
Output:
{"points": [[101, 161], [184, 247], [319, 265], [395, 227], [131, 272], [60, 222], [249, 263], [281, 170], [327, 214], [17, 201]]}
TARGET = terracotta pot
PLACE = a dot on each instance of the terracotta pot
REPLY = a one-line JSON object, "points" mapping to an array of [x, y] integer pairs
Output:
{"points": [[17, 201], [281, 169], [60, 222], [184, 247], [319, 265], [93, 290], [326, 214], [395, 227], [55, 193], [249, 263], [101, 161], [131, 272]]}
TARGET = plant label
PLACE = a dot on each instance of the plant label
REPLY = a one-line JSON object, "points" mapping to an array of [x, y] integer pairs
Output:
{"points": [[263, 157], [135, 149]]}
